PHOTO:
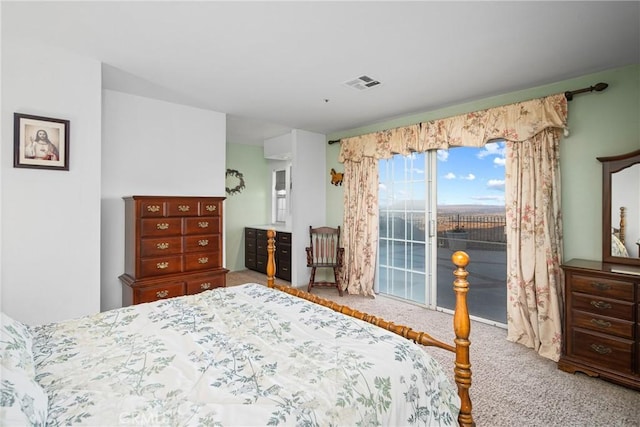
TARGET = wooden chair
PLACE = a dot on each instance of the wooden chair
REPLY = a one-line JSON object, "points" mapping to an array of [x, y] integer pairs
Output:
{"points": [[324, 251]]}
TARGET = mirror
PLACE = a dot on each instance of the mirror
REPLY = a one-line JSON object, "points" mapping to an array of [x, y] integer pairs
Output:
{"points": [[621, 208]]}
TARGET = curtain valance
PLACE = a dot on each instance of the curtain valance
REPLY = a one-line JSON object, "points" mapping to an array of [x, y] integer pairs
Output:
{"points": [[514, 122]]}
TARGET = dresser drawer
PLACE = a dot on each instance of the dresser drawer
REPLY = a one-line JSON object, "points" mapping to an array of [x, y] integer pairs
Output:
{"points": [[605, 325], [201, 243], [202, 225], [261, 263], [602, 287], [250, 233], [167, 290], [160, 266], [210, 207], [201, 284], [283, 270], [160, 246], [608, 352], [152, 209], [202, 261], [603, 306], [250, 261], [160, 227], [283, 252], [261, 247], [182, 208], [284, 238]]}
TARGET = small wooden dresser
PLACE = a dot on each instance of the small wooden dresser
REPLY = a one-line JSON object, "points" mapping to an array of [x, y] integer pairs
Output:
{"points": [[173, 247], [255, 253], [602, 321]]}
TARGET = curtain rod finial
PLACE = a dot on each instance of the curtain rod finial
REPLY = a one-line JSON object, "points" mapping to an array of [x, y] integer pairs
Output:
{"points": [[598, 88]]}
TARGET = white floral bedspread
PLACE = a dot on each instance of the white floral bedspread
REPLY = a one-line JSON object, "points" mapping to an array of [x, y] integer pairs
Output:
{"points": [[244, 356]]}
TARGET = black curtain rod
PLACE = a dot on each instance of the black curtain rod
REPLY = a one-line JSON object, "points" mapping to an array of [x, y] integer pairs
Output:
{"points": [[598, 87]]}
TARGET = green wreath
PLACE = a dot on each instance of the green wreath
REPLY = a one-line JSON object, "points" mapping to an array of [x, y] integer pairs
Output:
{"points": [[238, 188]]}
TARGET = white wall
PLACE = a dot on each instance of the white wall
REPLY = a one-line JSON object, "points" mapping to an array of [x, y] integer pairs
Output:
{"points": [[308, 196], [50, 234], [152, 147]]}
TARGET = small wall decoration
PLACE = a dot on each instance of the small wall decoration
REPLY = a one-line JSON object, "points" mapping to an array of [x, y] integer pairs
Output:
{"points": [[40, 142], [336, 177], [235, 175]]}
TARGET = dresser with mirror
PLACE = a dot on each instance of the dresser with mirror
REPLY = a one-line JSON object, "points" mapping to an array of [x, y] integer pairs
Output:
{"points": [[601, 336]]}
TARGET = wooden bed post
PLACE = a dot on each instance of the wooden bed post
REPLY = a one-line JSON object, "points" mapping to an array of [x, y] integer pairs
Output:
{"points": [[271, 265], [462, 328]]}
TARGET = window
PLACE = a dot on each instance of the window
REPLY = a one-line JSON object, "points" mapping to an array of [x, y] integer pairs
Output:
{"points": [[280, 199]]}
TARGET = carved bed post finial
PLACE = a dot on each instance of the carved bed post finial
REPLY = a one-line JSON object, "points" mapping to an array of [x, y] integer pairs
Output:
{"points": [[271, 265], [623, 224], [462, 328]]}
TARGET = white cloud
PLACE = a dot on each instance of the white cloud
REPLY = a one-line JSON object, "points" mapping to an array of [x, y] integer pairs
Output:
{"points": [[450, 175], [443, 155], [493, 149], [417, 171], [496, 184], [469, 177]]}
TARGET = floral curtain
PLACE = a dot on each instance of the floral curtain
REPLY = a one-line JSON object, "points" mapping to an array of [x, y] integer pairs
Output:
{"points": [[516, 123], [360, 234], [534, 243]]}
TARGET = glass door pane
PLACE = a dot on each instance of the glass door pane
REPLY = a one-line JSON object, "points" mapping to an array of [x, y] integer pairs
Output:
{"points": [[471, 218]]}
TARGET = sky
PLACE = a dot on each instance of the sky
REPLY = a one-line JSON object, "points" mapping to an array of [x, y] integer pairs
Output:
{"points": [[464, 176]]}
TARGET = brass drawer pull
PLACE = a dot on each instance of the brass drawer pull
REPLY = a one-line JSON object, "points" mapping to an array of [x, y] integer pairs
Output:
{"points": [[162, 226], [203, 242], [162, 245], [211, 208], [153, 208], [162, 294], [601, 305], [600, 349], [204, 286], [601, 323], [203, 224], [162, 265], [284, 252], [183, 208], [601, 286], [203, 260]]}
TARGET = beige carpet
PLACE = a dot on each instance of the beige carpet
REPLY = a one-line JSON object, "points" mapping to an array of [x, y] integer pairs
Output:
{"points": [[511, 384]]}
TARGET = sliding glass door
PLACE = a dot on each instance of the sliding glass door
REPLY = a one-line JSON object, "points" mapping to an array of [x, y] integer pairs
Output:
{"points": [[433, 204], [404, 246]]}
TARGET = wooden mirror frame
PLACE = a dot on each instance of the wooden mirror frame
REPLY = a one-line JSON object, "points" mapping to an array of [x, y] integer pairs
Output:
{"points": [[611, 165]]}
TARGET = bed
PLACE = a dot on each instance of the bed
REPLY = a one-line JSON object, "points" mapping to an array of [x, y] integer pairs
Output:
{"points": [[244, 355]]}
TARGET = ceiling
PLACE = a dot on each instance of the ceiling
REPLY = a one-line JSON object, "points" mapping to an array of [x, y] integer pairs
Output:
{"points": [[276, 66]]}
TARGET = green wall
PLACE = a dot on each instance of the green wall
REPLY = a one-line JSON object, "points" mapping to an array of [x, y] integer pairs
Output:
{"points": [[600, 124], [251, 206]]}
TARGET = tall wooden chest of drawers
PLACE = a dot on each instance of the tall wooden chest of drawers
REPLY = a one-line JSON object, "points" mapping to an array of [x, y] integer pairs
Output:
{"points": [[602, 321], [173, 247]]}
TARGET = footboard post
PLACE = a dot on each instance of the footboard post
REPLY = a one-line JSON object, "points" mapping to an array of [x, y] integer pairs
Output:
{"points": [[271, 265], [462, 328]]}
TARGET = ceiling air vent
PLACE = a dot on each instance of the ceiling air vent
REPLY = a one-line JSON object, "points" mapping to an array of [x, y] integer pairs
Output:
{"points": [[362, 83]]}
